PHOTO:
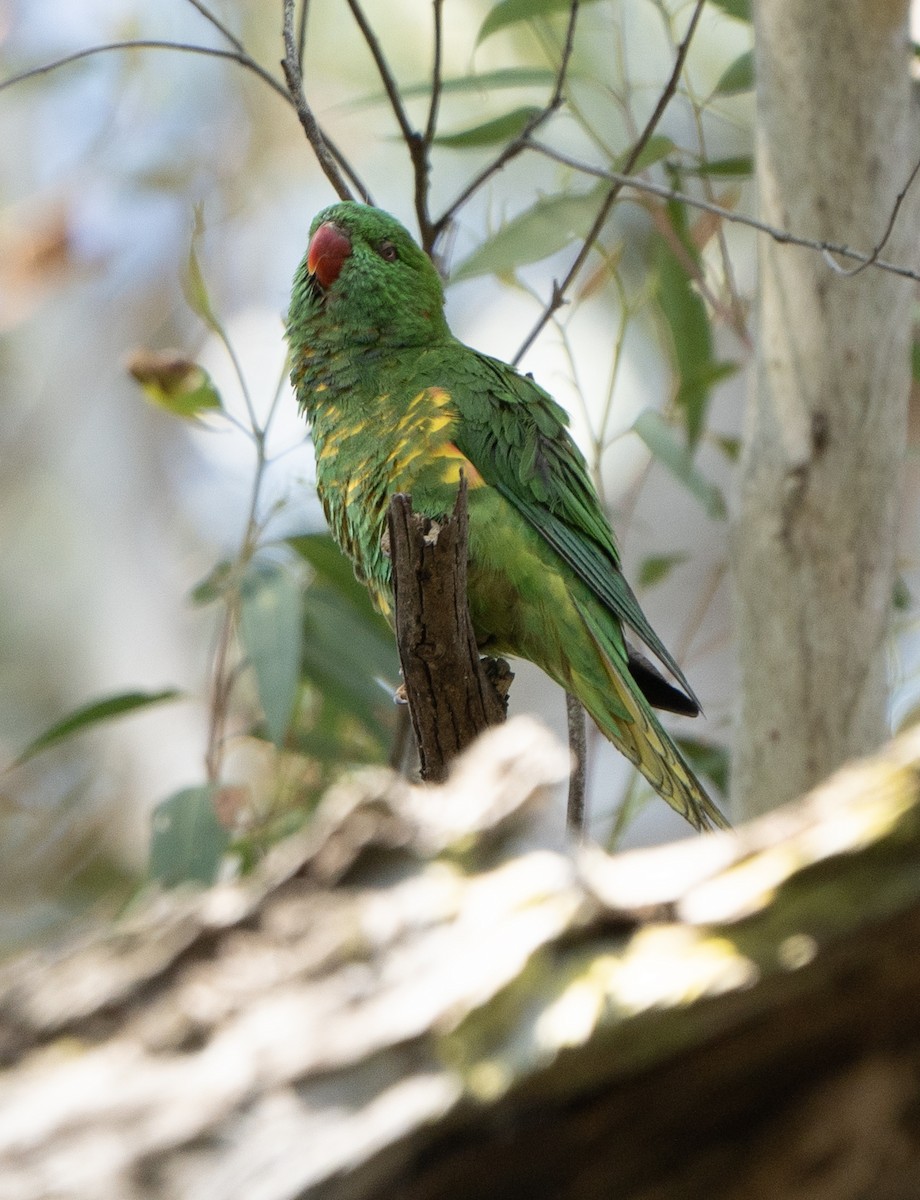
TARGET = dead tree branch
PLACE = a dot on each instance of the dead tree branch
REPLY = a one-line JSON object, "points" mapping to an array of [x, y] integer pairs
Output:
{"points": [[451, 697]]}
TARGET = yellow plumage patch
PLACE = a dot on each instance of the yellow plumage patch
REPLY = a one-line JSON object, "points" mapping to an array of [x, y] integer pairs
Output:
{"points": [[455, 462]]}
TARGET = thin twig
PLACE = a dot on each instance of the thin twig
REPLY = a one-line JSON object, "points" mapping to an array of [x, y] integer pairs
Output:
{"points": [[873, 258], [522, 141], [302, 32], [417, 144], [218, 25], [383, 70], [576, 811], [290, 64], [432, 123], [778, 235], [559, 290], [242, 58]]}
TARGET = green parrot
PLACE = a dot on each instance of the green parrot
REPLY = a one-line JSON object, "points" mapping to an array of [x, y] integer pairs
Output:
{"points": [[397, 404]]}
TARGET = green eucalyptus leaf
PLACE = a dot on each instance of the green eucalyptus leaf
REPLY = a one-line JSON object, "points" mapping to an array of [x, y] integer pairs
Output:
{"points": [[486, 81], [730, 447], [510, 12], [657, 567], [349, 658], [661, 440], [188, 840], [689, 332], [271, 632], [706, 759], [655, 149], [541, 230], [92, 714], [214, 585], [501, 129], [740, 166], [739, 77], [327, 560], [174, 383], [193, 284], [735, 8]]}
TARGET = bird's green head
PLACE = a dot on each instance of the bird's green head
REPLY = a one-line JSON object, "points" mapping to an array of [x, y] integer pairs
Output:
{"points": [[364, 279]]}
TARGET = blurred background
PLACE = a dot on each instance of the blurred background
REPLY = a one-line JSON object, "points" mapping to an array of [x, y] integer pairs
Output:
{"points": [[113, 510]]}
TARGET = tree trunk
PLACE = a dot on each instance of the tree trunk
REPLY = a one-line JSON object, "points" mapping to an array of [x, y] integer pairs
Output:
{"points": [[814, 538]]}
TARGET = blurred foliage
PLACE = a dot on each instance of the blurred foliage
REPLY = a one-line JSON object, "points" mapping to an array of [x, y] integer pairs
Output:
{"points": [[303, 670]]}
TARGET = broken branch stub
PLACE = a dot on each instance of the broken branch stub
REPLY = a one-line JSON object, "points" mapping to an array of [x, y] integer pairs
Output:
{"points": [[453, 695]]}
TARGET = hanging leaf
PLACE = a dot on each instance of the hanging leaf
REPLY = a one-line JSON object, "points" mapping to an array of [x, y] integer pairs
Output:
{"points": [[690, 334], [193, 284], [188, 840], [735, 8], [501, 129], [92, 714], [327, 560], [271, 632], [901, 598], [660, 439], [739, 77], [348, 659], [730, 447], [739, 167], [657, 567], [706, 759], [486, 81], [510, 12], [655, 149], [346, 654], [541, 230], [174, 383], [214, 585]]}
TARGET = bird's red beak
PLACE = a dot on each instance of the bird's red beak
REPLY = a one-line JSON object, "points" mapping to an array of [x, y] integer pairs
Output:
{"points": [[328, 249]]}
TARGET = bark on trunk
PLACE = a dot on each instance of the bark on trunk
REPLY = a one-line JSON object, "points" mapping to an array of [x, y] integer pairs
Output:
{"points": [[814, 538]]}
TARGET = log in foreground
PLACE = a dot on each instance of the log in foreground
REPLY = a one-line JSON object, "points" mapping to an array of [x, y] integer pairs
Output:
{"points": [[405, 1004]]}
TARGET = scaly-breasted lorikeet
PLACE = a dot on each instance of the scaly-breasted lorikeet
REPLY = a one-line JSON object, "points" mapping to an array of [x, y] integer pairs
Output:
{"points": [[397, 404]]}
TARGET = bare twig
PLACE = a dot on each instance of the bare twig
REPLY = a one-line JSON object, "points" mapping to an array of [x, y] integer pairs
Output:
{"points": [[238, 56], [290, 64], [432, 122], [218, 25], [383, 70], [559, 289], [302, 32], [576, 812], [522, 141], [244, 59], [873, 258], [418, 144], [778, 235]]}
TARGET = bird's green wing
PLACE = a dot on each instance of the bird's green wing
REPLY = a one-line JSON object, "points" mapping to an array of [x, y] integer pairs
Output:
{"points": [[515, 435]]}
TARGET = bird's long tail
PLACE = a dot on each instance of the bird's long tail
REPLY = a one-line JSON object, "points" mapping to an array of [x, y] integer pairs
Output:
{"points": [[624, 716]]}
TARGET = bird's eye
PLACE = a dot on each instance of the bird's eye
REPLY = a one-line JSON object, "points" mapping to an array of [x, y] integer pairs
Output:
{"points": [[387, 252]]}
